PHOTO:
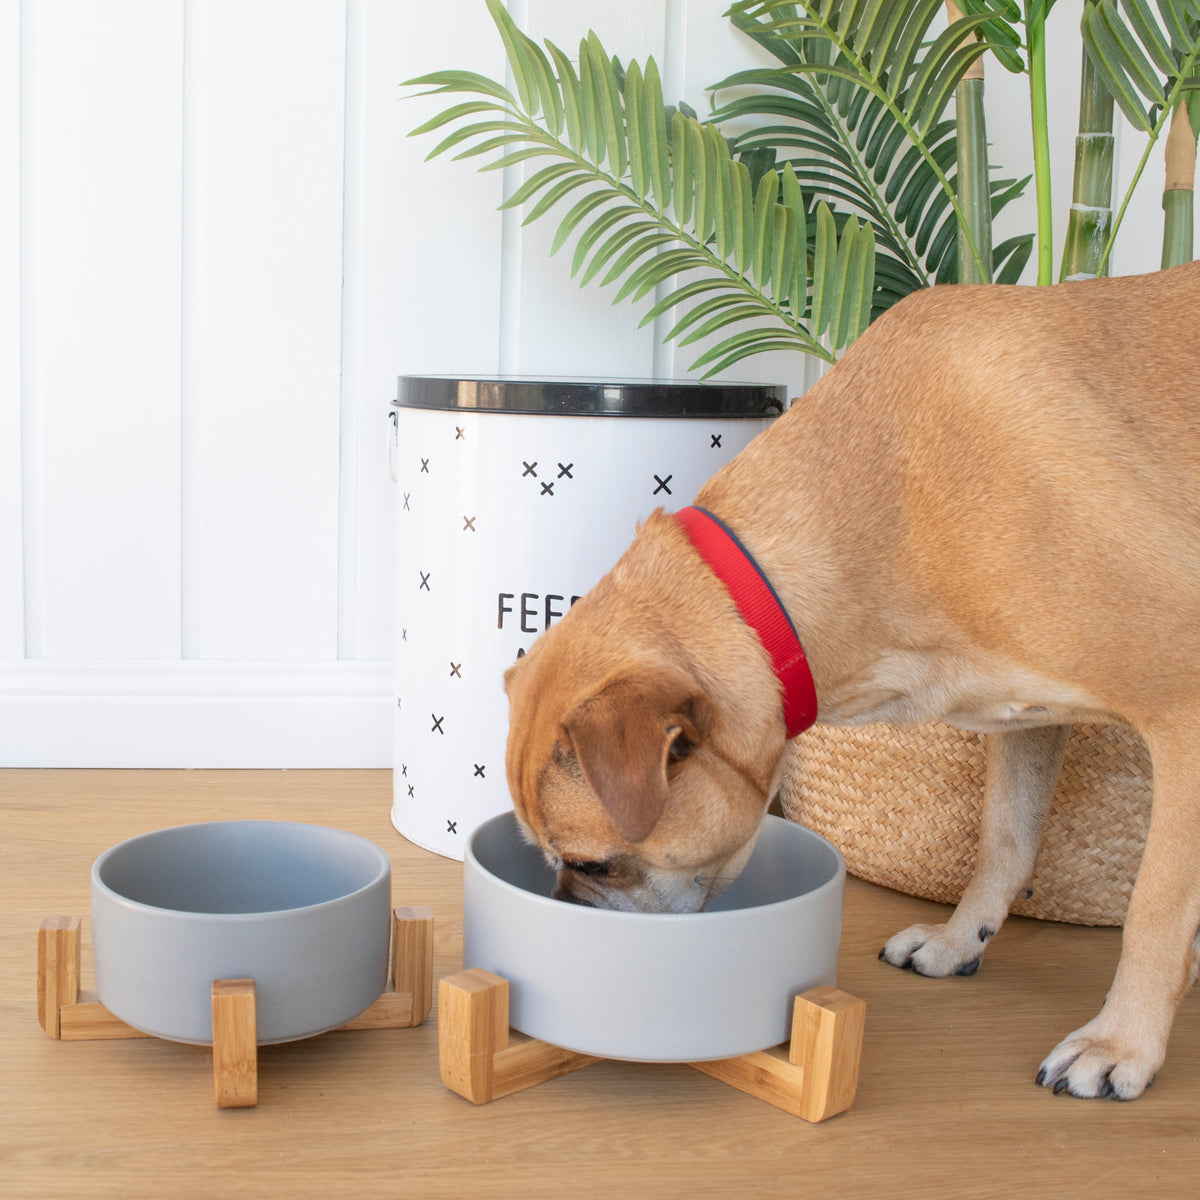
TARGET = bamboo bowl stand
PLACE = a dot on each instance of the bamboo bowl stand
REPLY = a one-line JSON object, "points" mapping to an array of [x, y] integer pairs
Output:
{"points": [[814, 1077], [68, 1013]]}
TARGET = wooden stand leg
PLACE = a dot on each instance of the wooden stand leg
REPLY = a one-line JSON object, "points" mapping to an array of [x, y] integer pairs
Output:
{"points": [[474, 1051], [827, 1034], [412, 958], [58, 970], [64, 1010], [408, 997], [819, 1077], [235, 1043]]}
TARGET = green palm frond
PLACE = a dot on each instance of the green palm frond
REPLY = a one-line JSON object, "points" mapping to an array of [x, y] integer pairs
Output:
{"points": [[858, 107], [1148, 57], [661, 202], [1145, 54], [1001, 27]]}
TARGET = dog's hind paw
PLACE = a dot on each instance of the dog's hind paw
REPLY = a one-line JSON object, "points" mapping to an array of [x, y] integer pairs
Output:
{"points": [[1088, 1066], [932, 950]]}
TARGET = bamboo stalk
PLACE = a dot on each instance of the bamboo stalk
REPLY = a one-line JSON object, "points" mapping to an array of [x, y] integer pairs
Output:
{"points": [[1035, 32], [1091, 198], [971, 182], [1179, 193]]}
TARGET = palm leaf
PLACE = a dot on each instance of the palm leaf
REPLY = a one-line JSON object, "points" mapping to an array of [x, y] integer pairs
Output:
{"points": [[658, 201], [1000, 29], [857, 108], [1147, 56]]}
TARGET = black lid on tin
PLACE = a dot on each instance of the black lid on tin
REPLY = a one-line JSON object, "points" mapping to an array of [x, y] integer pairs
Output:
{"points": [[591, 397]]}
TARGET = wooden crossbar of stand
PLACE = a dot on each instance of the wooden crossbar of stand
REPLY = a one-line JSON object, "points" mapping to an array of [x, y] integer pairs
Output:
{"points": [[815, 1078], [70, 1013]]}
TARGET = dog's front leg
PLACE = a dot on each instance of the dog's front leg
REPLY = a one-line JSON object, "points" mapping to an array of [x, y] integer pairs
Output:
{"points": [[1118, 1053], [1022, 770]]}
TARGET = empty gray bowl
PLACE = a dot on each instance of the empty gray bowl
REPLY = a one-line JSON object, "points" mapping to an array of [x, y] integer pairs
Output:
{"points": [[303, 910], [656, 987]]}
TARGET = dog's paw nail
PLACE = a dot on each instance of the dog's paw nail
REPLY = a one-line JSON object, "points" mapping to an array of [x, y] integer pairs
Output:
{"points": [[986, 933], [909, 964], [969, 968], [1041, 1078], [1060, 1087], [883, 954]]}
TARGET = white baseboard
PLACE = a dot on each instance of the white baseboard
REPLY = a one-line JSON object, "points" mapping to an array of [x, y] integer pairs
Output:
{"points": [[195, 714]]}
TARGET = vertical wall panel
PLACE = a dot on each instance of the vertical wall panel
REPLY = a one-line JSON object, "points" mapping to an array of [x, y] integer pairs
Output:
{"points": [[106, 258], [350, 408], [12, 604], [265, 196], [711, 50], [432, 228], [565, 329]]}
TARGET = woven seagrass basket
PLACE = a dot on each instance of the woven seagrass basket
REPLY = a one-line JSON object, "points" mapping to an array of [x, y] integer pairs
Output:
{"points": [[903, 806]]}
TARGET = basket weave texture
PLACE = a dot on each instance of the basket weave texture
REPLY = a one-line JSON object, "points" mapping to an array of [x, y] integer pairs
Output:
{"points": [[903, 806]]}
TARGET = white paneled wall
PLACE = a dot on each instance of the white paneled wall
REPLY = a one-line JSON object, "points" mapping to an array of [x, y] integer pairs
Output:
{"points": [[12, 593], [263, 155], [218, 249], [101, 202]]}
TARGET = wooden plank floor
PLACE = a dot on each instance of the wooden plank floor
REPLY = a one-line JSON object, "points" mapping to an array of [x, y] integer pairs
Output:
{"points": [[946, 1104]]}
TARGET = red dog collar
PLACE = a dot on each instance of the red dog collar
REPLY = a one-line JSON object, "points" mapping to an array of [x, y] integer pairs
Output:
{"points": [[760, 609]]}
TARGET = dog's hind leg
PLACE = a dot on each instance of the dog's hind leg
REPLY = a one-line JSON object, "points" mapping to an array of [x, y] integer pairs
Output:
{"points": [[1022, 770], [1118, 1053]]}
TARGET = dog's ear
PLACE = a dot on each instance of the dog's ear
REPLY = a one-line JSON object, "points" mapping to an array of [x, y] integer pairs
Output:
{"points": [[626, 735]]}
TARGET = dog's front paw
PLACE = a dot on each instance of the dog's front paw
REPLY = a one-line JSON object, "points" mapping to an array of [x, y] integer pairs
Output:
{"points": [[1089, 1064], [934, 950]]}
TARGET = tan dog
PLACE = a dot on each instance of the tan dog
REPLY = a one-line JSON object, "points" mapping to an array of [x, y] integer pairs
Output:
{"points": [[989, 514]]}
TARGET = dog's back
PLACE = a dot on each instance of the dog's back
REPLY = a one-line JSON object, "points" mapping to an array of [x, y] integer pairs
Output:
{"points": [[1024, 462]]}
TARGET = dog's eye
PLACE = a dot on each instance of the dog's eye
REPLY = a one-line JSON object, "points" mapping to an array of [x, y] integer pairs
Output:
{"points": [[587, 868], [680, 748]]}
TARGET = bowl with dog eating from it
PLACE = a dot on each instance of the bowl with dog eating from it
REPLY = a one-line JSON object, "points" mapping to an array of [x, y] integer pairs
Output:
{"points": [[656, 987], [303, 910]]}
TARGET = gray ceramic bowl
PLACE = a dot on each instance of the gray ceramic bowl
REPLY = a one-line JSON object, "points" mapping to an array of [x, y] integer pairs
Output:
{"points": [[303, 910], [649, 986]]}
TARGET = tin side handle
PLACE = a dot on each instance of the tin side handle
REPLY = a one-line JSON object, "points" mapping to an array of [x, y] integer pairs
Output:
{"points": [[393, 444]]}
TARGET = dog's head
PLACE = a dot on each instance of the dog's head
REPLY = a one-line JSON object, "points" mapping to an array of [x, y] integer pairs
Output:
{"points": [[642, 748]]}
